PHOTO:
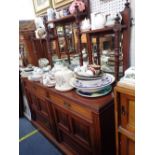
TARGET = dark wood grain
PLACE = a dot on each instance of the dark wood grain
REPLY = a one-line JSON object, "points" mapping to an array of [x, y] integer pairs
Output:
{"points": [[125, 119], [78, 125]]}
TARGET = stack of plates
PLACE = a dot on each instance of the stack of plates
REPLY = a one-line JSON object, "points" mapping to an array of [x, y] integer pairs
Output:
{"points": [[93, 86]]}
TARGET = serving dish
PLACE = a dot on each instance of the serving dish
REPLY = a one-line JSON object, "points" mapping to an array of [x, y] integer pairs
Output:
{"points": [[91, 86], [102, 92]]}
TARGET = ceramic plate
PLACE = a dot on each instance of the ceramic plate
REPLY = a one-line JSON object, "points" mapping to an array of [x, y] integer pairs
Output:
{"points": [[95, 77], [103, 92], [105, 80]]}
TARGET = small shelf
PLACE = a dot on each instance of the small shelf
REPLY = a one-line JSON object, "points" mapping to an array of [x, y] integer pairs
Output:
{"points": [[106, 29], [68, 18]]}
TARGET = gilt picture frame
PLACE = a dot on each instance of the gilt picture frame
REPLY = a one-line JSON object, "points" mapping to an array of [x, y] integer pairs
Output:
{"points": [[41, 6], [59, 3]]}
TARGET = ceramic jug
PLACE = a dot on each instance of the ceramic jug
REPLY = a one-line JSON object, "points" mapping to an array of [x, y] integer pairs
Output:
{"points": [[62, 79], [50, 14], [99, 20]]}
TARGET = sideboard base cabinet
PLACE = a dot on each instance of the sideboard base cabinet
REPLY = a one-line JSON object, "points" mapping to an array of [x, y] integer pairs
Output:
{"points": [[76, 125]]}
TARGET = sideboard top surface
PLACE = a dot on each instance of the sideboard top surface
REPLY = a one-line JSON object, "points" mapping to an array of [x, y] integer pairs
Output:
{"points": [[95, 104]]}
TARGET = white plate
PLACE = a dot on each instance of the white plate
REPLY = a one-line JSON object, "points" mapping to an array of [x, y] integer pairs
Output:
{"points": [[63, 89]]}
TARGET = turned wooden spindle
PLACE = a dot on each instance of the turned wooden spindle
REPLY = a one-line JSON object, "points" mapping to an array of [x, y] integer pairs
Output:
{"points": [[77, 21], [98, 50], [66, 45], [126, 15], [117, 31], [48, 43]]}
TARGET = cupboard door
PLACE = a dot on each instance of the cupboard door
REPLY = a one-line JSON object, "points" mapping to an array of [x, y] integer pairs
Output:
{"points": [[44, 122], [43, 107], [62, 118], [126, 145], [70, 143], [81, 131], [35, 103], [127, 112]]}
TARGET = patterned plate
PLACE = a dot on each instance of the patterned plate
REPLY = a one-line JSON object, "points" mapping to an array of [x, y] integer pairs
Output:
{"points": [[105, 80], [95, 77], [102, 92]]}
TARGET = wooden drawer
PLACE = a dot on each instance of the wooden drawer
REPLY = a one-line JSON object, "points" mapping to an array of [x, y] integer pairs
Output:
{"points": [[27, 84], [72, 107], [35, 89], [39, 91]]}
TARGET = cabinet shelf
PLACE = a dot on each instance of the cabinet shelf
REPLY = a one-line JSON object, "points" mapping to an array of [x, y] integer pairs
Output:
{"points": [[106, 29], [68, 18]]}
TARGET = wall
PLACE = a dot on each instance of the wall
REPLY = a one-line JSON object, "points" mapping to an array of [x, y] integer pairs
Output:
{"points": [[26, 10], [108, 6]]}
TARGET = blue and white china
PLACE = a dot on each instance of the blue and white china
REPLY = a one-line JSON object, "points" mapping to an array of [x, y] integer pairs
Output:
{"points": [[92, 85], [102, 92], [43, 62]]}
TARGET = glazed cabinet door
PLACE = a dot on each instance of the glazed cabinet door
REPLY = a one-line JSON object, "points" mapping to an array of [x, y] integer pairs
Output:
{"points": [[73, 131]]}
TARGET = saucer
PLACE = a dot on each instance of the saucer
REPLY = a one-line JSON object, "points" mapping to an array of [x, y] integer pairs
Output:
{"points": [[63, 89]]}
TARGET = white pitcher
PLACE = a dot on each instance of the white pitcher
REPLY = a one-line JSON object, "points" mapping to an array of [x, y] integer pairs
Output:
{"points": [[62, 79], [99, 20]]}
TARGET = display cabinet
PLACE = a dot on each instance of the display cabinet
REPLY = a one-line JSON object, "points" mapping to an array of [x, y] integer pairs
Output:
{"points": [[120, 39], [118, 36], [63, 39], [125, 119]]}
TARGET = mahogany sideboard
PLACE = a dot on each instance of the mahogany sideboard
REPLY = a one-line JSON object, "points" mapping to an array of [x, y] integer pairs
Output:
{"points": [[125, 119], [76, 125]]}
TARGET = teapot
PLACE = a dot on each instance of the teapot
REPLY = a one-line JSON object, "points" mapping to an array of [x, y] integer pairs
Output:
{"points": [[63, 78], [111, 18], [99, 20]]}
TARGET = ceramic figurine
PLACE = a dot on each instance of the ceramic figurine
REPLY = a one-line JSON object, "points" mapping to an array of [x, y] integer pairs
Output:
{"points": [[79, 3]]}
